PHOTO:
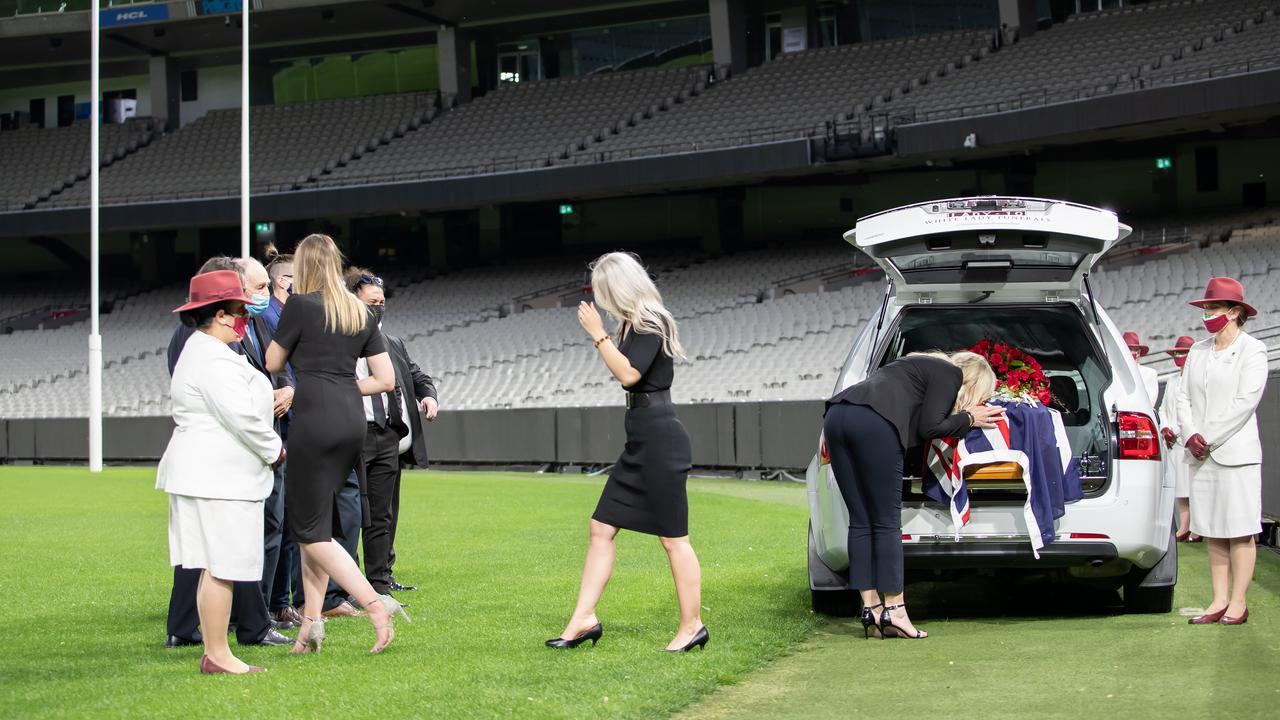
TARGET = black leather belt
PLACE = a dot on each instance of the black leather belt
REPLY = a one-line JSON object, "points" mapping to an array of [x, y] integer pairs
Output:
{"points": [[640, 400]]}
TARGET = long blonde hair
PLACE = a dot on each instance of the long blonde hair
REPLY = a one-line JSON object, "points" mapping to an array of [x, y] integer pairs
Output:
{"points": [[318, 268], [623, 289], [978, 383]]}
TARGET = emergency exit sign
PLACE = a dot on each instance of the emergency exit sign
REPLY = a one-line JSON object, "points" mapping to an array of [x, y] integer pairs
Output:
{"points": [[566, 209], [1164, 163]]}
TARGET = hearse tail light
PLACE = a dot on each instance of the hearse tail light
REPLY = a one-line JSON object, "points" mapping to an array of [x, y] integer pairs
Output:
{"points": [[1089, 536], [1138, 437]]}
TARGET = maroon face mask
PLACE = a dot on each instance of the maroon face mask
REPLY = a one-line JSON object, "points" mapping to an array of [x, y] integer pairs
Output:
{"points": [[241, 324], [1215, 323], [1180, 360]]}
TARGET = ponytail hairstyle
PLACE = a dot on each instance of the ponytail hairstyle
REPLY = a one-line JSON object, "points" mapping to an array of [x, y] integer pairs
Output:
{"points": [[318, 269], [277, 262], [623, 289]]}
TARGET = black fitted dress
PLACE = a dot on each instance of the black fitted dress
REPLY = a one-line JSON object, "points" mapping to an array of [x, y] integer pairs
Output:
{"points": [[327, 432], [646, 488]]}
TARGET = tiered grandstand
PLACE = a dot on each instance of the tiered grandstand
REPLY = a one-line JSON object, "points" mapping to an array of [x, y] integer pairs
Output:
{"points": [[746, 341]]}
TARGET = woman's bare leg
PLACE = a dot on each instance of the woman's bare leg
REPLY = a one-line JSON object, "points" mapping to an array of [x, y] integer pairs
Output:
{"points": [[1184, 514], [596, 570], [1244, 553], [329, 560], [687, 574], [1220, 573], [213, 604]]}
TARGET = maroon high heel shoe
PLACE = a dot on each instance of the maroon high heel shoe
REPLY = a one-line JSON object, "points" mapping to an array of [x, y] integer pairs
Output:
{"points": [[209, 667], [1183, 536], [1244, 618], [1207, 618]]}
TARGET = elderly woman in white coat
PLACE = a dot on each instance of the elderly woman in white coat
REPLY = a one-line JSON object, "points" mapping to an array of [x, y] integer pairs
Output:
{"points": [[1222, 385], [1177, 460], [217, 467]]}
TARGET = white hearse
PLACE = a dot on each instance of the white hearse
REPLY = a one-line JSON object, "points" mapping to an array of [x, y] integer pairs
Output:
{"points": [[1013, 269]]}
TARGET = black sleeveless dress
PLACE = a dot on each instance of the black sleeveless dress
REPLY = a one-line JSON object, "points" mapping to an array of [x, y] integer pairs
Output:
{"points": [[328, 428], [646, 488]]}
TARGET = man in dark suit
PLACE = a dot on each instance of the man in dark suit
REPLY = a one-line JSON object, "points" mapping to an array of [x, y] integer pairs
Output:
{"points": [[394, 435], [248, 602]]}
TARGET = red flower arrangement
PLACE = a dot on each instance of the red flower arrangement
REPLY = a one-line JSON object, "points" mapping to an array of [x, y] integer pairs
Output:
{"points": [[1018, 375]]}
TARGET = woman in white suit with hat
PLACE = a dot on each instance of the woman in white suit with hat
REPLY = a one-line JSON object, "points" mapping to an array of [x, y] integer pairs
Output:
{"points": [[217, 466], [1222, 385]]}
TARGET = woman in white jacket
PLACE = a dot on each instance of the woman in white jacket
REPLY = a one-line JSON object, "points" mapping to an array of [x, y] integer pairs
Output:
{"points": [[1221, 387], [1177, 461], [217, 467]]}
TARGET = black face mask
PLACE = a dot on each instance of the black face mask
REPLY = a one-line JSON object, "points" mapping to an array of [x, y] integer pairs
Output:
{"points": [[378, 311]]}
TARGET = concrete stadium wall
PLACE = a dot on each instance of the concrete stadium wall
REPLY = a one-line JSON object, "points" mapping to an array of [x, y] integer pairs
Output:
{"points": [[742, 435], [729, 435]]}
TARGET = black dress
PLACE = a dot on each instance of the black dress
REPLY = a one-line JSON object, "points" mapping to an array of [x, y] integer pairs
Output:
{"points": [[328, 428], [646, 488]]}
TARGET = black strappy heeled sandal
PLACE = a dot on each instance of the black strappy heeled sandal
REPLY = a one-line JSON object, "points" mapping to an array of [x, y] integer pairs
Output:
{"points": [[869, 620], [887, 626]]}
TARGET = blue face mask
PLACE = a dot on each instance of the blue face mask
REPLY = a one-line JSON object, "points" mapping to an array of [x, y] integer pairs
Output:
{"points": [[259, 304]]}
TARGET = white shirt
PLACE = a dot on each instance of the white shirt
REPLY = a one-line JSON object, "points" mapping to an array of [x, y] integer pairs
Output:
{"points": [[406, 442]]}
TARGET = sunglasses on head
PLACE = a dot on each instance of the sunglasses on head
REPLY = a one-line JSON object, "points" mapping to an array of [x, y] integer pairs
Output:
{"points": [[369, 280]]}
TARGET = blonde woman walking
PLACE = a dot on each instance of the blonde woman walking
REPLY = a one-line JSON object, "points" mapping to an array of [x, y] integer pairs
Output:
{"points": [[867, 429], [322, 331], [646, 488]]}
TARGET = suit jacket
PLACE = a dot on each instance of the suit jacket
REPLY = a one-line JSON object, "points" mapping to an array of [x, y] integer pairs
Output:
{"points": [[1218, 400], [1169, 406], [256, 359], [915, 394], [224, 442], [412, 385]]}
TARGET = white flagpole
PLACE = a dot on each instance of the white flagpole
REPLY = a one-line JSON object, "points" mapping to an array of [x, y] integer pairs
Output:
{"points": [[245, 228], [95, 337]]}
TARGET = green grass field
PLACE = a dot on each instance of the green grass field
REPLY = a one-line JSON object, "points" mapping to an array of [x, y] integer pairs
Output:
{"points": [[83, 567]]}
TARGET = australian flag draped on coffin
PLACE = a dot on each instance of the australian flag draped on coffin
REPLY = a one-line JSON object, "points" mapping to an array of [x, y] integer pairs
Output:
{"points": [[1033, 437]]}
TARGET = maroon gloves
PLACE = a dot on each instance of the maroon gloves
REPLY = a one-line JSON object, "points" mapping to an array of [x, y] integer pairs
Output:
{"points": [[279, 461], [1170, 437], [1198, 447]]}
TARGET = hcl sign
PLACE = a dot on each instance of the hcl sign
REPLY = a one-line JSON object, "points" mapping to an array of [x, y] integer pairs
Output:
{"points": [[132, 14]]}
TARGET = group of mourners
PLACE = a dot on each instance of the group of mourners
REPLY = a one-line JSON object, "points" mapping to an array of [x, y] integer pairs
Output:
{"points": [[245, 352]]}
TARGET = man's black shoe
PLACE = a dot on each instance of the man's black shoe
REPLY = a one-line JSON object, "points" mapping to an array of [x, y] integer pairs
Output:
{"points": [[397, 587], [273, 638], [173, 641]]}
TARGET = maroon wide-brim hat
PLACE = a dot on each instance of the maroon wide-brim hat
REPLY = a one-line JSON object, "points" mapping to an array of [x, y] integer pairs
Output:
{"points": [[1131, 340], [1182, 344], [213, 287], [1226, 290]]}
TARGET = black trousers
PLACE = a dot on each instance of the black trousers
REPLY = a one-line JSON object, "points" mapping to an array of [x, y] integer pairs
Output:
{"points": [[381, 459], [395, 521], [247, 607], [273, 535], [866, 457], [286, 590]]}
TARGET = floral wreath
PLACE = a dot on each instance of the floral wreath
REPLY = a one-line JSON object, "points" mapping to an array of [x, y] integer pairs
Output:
{"points": [[1019, 377]]}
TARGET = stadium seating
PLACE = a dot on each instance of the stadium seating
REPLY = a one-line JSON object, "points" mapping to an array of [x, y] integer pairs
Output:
{"points": [[796, 94], [1092, 54], [741, 344], [525, 125], [290, 145], [40, 164]]}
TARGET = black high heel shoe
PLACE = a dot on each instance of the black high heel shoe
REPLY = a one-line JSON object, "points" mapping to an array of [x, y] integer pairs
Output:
{"points": [[869, 620], [886, 626], [699, 640], [594, 635]]}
